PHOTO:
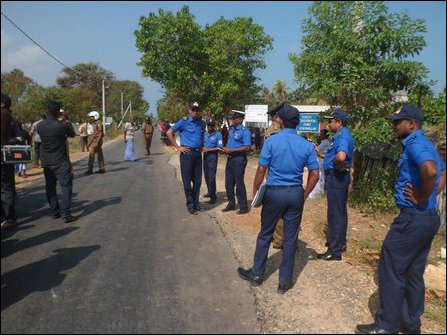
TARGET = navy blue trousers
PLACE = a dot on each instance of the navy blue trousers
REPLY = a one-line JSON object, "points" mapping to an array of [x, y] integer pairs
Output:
{"points": [[337, 185], [234, 175], [209, 170], [191, 167], [285, 202], [8, 192], [401, 269], [59, 173]]}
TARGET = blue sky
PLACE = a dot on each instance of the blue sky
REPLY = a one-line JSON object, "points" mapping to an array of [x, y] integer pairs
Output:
{"points": [[76, 32]]}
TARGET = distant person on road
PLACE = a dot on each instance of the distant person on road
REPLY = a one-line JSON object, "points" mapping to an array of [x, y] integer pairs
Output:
{"points": [[192, 129], [83, 134], [95, 144], [129, 133], [284, 155], [211, 147], [25, 139], [36, 139], [406, 247], [148, 130], [54, 131]]}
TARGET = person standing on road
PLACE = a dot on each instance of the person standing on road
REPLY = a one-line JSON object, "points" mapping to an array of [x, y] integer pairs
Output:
{"points": [[147, 130], [239, 141], [284, 155], [8, 186], [36, 140], [83, 134], [406, 247], [56, 161], [191, 130], [212, 145], [274, 128], [95, 144], [129, 133], [337, 165], [323, 145]]}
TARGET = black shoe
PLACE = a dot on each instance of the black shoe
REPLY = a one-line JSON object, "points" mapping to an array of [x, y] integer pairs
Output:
{"points": [[250, 276], [371, 329], [212, 201], [56, 216], [192, 211], [405, 330], [283, 288], [88, 172], [207, 196], [228, 208], [242, 211], [70, 218], [100, 171], [343, 248], [327, 256], [198, 208], [9, 224]]}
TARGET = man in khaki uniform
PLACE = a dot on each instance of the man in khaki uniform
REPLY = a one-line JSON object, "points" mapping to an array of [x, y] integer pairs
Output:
{"points": [[95, 144], [148, 130], [278, 235]]}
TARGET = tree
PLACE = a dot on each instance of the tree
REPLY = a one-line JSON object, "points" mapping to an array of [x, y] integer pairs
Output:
{"points": [[214, 65], [16, 84], [355, 55]]}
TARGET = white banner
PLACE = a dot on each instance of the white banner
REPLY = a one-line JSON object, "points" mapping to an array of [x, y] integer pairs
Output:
{"points": [[256, 113]]}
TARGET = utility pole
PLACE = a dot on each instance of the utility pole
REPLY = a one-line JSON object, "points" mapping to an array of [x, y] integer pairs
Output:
{"points": [[103, 108], [122, 106], [130, 108]]}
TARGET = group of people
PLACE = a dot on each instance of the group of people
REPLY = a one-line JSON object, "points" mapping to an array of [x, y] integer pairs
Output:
{"points": [[50, 135], [129, 133]]}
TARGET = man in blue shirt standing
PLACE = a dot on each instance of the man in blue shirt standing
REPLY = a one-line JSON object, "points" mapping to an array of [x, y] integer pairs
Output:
{"points": [[212, 144], [337, 165], [406, 247], [191, 130], [284, 155], [239, 141]]}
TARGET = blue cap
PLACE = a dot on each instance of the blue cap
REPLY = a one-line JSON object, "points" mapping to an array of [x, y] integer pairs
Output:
{"points": [[194, 106], [407, 112], [274, 110], [338, 114], [289, 113]]}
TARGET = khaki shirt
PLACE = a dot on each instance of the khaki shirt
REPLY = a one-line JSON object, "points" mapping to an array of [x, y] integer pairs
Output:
{"points": [[273, 129], [97, 133], [147, 128]]}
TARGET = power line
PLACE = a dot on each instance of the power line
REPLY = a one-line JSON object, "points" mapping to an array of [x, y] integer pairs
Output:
{"points": [[49, 54]]}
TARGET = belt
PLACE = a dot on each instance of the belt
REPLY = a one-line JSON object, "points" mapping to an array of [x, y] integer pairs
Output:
{"points": [[194, 149], [278, 187], [412, 210]]}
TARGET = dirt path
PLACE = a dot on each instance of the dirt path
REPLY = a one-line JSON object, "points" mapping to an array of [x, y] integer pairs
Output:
{"points": [[328, 297]]}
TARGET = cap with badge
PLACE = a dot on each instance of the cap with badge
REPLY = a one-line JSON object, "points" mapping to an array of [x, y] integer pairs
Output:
{"points": [[407, 112], [338, 114], [194, 106], [237, 114], [272, 112], [210, 122], [288, 113]]}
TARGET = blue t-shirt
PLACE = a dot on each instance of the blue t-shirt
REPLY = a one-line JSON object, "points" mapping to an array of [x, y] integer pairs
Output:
{"points": [[285, 155], [341, 141], [238, 137], [213, 140], [417, 149], [191, 132]]}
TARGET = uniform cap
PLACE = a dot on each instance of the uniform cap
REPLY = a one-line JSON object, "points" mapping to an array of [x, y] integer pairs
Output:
{"points": [[237, 114], [337, 114], [210, 122], [194, 106], [274, 110], [289, 113], [407, 112]]}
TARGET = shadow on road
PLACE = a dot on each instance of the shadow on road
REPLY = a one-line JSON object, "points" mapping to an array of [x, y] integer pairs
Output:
{"points": [[42, 275], [94, 206], [10, 247]]}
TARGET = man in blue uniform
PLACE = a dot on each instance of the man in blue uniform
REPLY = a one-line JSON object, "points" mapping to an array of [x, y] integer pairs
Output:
{"points": [[239, 141], [212, 144], [284, 155], [337, 164], [406, 247], [191, 130]]}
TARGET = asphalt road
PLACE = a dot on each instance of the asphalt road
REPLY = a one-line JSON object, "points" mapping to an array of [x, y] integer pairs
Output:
{"points": [[134, 262]]}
